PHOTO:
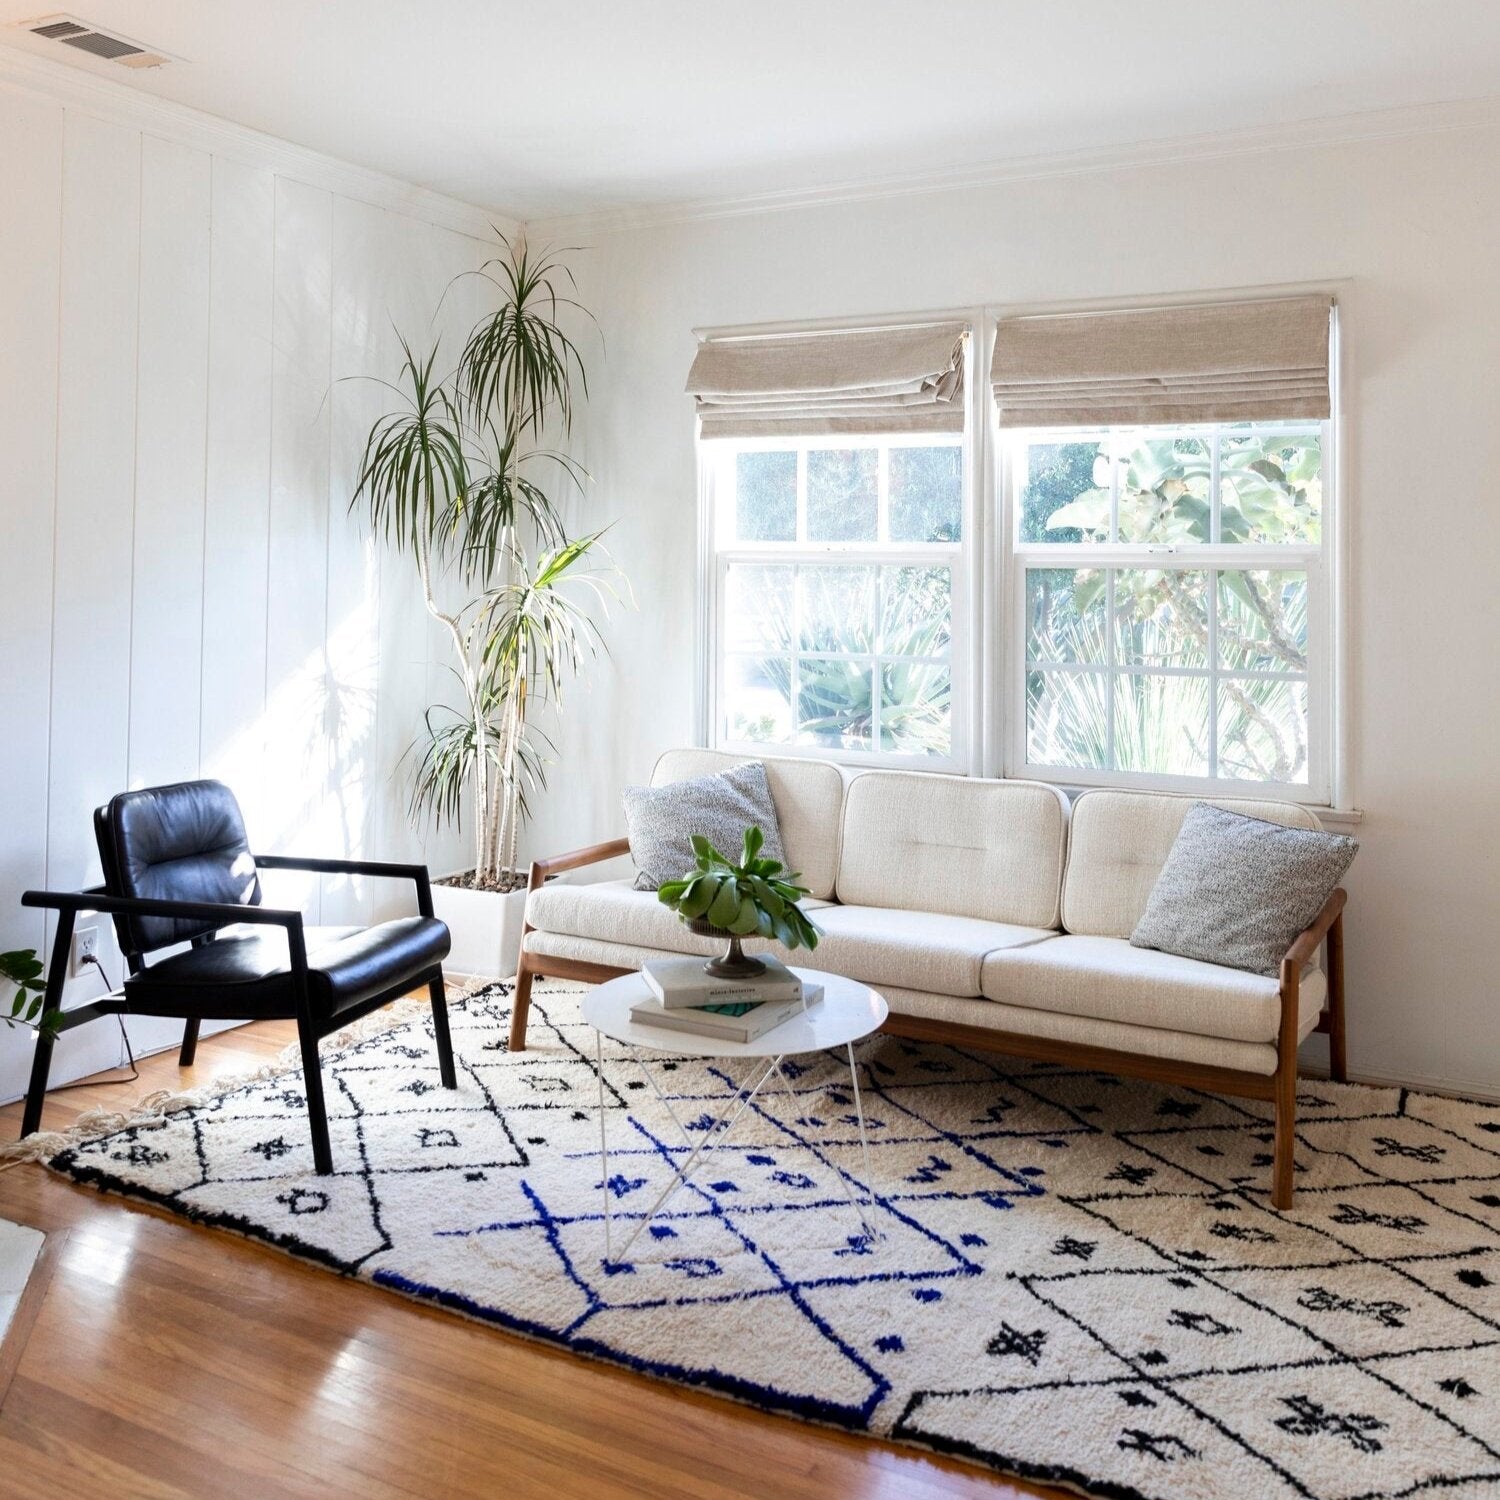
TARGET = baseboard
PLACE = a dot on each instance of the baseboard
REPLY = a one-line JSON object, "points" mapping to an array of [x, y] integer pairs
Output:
{"points": [[1446, 1088]]}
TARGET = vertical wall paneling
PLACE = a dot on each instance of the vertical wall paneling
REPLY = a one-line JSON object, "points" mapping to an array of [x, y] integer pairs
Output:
{"points": [[31, 146], [171, 419], [361, 342], [237, 478], [290, 795], [92, 609]]}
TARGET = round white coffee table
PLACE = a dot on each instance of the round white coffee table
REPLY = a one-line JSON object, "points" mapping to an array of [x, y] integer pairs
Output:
{"points": [[848, 1012]]}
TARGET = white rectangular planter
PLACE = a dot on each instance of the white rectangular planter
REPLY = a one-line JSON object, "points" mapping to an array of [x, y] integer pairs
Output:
{"points": [[485, 927]]}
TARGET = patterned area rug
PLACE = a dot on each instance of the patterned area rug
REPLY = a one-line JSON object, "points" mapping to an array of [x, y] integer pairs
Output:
{"points": [[1076, 1278]]}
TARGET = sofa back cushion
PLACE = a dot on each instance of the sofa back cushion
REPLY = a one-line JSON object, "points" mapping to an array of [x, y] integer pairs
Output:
{"points": [[954, 844], [809, 797], [1119, 842]]}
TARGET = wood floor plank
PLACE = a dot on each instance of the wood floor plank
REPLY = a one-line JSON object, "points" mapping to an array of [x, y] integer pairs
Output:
{"points": [[167, 1361]]}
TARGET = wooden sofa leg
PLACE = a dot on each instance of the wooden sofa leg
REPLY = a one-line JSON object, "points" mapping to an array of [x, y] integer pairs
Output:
{"points": [[1338, 1058], [1285, 1094], [189, 1042], [520, 1005]]}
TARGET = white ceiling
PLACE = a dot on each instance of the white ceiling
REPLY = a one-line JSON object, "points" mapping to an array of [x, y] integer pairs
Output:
{"points": [[563, 106]]}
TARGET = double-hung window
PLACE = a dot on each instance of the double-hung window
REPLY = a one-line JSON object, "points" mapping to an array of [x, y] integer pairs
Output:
{"points": [[837, 495], [1165, 486], [838, 589], [1170, 619]]}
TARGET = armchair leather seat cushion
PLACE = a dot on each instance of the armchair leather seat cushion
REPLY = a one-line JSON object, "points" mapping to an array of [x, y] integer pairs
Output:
{"points": [[246, 970]]}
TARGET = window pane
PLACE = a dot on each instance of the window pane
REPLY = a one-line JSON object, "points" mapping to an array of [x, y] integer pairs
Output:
{"points": [[1161, 617], [1271, 487], [1065, 615], [1067, 719], [757, 608], [916, 611], [1161, 724], [1164, 487], [1065, 494], [926, 494], [833, 704], [758, 698], [1263, 620], [838, 609], [915, 708], [765, 497], [842, 494], [1262, 730]]}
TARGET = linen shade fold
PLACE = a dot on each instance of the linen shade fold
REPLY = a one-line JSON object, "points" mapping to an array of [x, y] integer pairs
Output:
{"points": [[1211, 362], [866, 381]]}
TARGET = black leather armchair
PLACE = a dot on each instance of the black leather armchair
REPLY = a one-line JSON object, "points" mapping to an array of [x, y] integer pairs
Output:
{"points": [[178, 869]]}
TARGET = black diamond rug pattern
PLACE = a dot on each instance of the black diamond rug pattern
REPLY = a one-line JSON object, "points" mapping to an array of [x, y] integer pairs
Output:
{"points": [[1073, 1277]]}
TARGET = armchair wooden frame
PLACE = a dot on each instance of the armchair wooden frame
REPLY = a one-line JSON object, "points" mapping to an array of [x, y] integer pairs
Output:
{"points": [[1279, 1087]]}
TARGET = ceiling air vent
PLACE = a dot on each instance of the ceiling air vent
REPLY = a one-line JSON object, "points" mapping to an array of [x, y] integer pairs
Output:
{"points": [[72, 32]]}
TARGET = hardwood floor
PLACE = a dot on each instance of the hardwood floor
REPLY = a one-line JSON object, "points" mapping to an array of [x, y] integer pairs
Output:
{"points": [[171, 1361]]}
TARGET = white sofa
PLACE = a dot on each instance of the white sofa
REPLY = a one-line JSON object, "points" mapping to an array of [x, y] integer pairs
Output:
{"points": [[988, 913]]}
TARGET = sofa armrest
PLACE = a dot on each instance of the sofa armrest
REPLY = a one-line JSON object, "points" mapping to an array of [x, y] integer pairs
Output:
{"points": [[576, 859], [1305, 949]]}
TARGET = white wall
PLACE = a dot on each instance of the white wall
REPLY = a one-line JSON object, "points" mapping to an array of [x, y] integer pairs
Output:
{"points": [[184, 590], [1410, 223]]}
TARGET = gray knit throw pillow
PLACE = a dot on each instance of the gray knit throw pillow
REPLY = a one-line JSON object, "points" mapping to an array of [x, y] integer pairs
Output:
{"points": [[1236, 891], [661, 821]]}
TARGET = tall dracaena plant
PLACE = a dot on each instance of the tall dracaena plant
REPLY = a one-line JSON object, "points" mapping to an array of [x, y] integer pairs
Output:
{"points": [[449, 476]]}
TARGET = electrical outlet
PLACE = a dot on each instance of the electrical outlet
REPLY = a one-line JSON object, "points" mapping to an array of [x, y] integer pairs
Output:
{"points": [[85, 947]]}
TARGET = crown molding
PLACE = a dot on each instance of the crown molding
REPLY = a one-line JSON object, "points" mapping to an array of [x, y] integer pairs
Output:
{"points": [[1332, 130], [119, 104]]}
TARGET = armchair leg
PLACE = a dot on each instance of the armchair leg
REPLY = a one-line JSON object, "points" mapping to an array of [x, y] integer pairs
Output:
{"points": [[36, 1092], [41, 1059], [440, 1033], [520, 1005], [189, 1043], [312, 1087]]}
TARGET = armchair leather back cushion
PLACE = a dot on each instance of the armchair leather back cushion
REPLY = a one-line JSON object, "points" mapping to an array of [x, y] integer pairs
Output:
{"points": [[174, 843]]}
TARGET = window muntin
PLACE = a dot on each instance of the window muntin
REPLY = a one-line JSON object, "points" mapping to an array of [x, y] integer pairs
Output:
{"points": [[1170, 606], [837, 579]]}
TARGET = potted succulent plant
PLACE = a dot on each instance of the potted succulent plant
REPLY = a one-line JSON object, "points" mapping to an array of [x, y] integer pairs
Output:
{"points": [[754, 898]]}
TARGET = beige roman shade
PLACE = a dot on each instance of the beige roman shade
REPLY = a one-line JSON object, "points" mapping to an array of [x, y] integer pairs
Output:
{"points": [[870, 380], [1216, 362]]}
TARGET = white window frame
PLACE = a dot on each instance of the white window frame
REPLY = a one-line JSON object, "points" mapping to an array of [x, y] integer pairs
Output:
{"points": [[1312, 558], [716, 457]]}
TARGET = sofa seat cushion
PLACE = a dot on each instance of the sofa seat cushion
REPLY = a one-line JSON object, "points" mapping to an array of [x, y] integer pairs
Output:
{"points": [[873, 944], [614, 911], [1080, 1031], [1106, 979], [918, 949]]}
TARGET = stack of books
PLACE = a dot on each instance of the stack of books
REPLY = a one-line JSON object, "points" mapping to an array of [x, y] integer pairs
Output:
{"points": [[685, 997]]}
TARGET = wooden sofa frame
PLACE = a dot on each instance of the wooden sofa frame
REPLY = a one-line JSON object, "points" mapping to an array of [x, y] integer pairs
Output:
{"points": [[1279, 1087]]}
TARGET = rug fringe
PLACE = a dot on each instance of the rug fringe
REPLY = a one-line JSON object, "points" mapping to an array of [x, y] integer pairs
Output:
{"points": [[153, 1108]]}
